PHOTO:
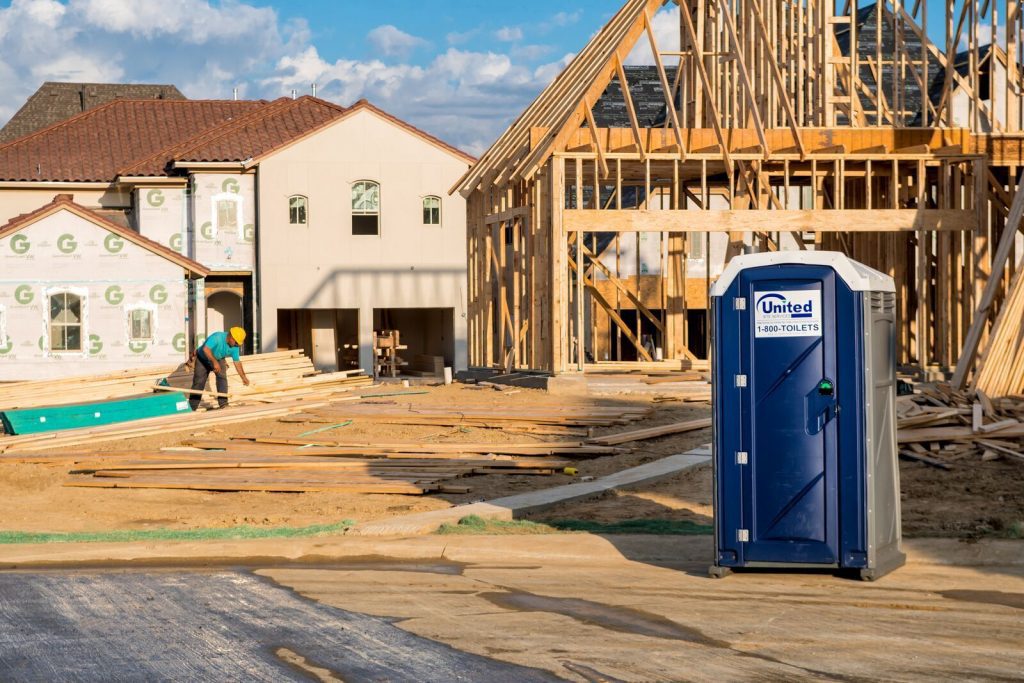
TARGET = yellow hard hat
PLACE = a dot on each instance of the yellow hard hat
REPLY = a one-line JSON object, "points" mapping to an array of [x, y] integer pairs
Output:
{"points": [[238, 334]]}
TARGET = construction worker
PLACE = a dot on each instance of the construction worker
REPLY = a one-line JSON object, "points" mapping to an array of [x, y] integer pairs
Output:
{"points": [[211, 357]]}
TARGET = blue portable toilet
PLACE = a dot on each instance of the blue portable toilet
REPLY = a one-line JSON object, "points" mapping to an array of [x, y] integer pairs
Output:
{"points": [[804, 394]]}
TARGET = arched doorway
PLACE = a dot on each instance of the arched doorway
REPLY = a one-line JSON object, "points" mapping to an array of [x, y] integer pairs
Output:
{"points": [[223, 311]]}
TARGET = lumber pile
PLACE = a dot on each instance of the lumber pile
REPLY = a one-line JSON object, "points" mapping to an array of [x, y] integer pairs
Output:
{"points": [[247, 469], [1001, 367], [273, 376], [940, 425], [315, 463], [50, 441]]}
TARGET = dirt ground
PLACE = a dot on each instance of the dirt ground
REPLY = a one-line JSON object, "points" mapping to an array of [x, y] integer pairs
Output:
{"points": [[974, 499]]}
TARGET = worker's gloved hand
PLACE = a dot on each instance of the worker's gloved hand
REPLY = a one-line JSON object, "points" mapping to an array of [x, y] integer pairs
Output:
{"points": [[245, 381]]}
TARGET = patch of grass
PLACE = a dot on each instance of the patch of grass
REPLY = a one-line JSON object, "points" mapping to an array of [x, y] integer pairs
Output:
{"points": [[1015, 530], [473, 524], [674, 527], [127, 536]]}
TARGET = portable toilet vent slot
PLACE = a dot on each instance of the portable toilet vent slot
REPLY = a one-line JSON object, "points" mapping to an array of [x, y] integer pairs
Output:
{"points": [[804, 375]]}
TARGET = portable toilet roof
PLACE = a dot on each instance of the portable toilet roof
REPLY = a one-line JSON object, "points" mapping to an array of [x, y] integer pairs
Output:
{"points": [[857, 276]]}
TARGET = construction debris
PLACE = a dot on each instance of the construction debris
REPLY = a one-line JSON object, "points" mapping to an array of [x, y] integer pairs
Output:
{"points": [[940, 426]]}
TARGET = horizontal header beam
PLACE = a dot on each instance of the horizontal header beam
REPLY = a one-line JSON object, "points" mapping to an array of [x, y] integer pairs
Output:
{"points": [[751, 220]]}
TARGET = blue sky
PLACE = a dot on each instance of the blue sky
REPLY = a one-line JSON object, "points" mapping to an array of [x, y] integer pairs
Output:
{"points": [[460, 69]]}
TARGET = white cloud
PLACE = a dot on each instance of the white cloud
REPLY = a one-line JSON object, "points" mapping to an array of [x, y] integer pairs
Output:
{"points": [[390, 41], [207, 47], [531, 53], [457, 38], [509, 34], [464, 97], [666, 32], [566, 18]]}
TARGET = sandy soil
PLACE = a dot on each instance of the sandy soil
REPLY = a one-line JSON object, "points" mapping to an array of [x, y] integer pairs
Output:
{"points": [[974, 499]]}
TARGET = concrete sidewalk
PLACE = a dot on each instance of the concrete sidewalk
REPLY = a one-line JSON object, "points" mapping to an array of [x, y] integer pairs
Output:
{"points": [[509, 507]]}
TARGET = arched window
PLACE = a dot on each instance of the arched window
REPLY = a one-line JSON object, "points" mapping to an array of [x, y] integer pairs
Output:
{"points": [[65, 321], [297, 209], [432, 210], [365, 208]]}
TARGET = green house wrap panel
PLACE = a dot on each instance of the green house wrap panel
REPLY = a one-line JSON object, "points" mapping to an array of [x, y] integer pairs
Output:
{"points": [[78, 415]]}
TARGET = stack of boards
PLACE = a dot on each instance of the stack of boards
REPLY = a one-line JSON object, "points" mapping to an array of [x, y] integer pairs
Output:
{"points": [[942, 427], [296, 465], [276, 380]]}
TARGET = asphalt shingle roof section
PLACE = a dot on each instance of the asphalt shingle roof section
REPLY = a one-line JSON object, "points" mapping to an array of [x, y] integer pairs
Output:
{"points": [[54, 102], [648, 99], [95, 145]]}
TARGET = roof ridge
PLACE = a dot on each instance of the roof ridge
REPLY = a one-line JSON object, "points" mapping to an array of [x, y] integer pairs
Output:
{"points": [[75, 117]]}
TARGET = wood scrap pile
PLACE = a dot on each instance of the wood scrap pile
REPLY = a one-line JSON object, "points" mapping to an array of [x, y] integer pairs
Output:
{"points": [[246, 467], [296, 465], [552, 420], [49, 441], [273, 377], [282, 374], [940, 425]]}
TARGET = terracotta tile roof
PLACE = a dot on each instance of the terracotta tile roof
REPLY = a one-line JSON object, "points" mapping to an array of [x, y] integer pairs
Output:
{"points": [[145, 137], [65, 201], [96, 144], [55, 102], [246, 137]]}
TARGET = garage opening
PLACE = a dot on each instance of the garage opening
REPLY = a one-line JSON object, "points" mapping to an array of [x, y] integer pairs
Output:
{"points": [[329, 336], [425, 341]]}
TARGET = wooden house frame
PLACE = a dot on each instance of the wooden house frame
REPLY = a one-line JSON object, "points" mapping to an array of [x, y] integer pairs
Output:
{"points": [[791, 139]]}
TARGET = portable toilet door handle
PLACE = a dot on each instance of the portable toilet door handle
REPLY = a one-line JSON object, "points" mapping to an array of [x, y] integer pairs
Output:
{"points": [[821, 405]]}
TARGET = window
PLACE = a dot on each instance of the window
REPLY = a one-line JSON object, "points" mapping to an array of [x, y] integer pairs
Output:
{"points": [[227, 212], [431, 211], [696, 245], [65, 322], [365, 208], [297, 209], [140, 324]]}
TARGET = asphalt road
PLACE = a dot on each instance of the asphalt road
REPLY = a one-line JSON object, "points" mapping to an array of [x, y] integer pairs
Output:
{"points": [[218, 626]]}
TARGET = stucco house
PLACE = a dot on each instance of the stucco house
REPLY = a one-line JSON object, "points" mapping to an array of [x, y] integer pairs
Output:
{"points": [[313, 224]]}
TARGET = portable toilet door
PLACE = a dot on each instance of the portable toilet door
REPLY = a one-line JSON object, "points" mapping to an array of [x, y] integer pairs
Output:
{"points": [[791, 466]]}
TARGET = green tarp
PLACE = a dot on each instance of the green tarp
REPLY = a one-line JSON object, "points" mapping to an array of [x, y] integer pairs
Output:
{"points": [[78, 415]]}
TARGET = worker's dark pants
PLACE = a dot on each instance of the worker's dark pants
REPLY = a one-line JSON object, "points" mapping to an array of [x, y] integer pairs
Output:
{"points": [[202, 372]]}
